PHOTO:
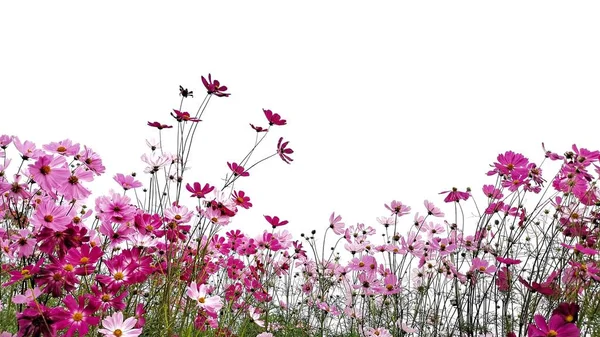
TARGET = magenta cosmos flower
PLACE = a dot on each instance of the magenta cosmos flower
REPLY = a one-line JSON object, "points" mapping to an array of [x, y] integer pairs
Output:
{"points": [[284, 151], [214, 87], [115, 326], [237, 169], [556, 327], [455, 195], [274, 119], [275, 221]]}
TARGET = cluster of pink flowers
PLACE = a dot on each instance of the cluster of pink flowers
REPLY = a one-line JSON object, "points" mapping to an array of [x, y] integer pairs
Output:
{"points": [[155, 263]]}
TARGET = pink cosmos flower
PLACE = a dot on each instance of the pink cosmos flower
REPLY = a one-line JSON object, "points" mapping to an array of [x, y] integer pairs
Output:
{"points": [[72, 188], [200, 295], [50, 215], [92, 160], [27, 149], [258, 128], [16, 190], [507, 261], [568, 311], [64, 148], [432, 210], [39, 320], [159, 126], [30, 295], [455, 195], [214, 87], [555, 327], [115, 326], [283, 151], [398, 208], [255, 316], [503, 279], [198, 191], [80, 315], [336, 224], [274, 221], [241, 199], [237, 169], [482, 266], [5, 141], [49, 172], [274, 119], [127, 181], [492, 192], [24, 244], [184, 116], [507, 162]]}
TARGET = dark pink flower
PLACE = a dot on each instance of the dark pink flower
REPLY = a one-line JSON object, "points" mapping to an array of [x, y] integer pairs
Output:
{"points": [[237, 169], [283, 151], [274, 221], [80, 315], [159, 125], [568, 311], [274, 119], [198, 191], [555, 327], [214, 87], [184, 116], [241, 199], [258, 128], [507, 261]]}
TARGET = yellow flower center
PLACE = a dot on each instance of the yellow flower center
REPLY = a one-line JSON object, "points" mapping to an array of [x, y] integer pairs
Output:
{"points": [[118, 332], [84, 260], [61, 149], [68, 267], [569, 318], [201, 300], [48, 218], [77, 316], [119, 276], [552, 333]]}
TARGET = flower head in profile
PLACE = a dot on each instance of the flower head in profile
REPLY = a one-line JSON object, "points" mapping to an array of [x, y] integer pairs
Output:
{"points": [[455, 195], [237, 170], [274, 119], [183, 116], [275, 221], [198, 191], [115, 326], [284, 151], [159, 126], [127, 181], [214, 87]]}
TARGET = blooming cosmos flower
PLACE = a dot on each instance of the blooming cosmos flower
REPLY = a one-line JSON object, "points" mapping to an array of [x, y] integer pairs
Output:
{"points": [[214, 87], [237, 169], [274, 221], [198, 191], [114, 326], [555, 327], [455, 195], [274, 119], [200, 295], [126, 181], [184, 116], [336, 224], [159, 126], [49, 172]]}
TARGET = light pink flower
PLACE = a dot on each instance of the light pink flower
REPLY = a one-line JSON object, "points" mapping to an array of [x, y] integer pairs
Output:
{"points": [[200, 295], [114, 326]]}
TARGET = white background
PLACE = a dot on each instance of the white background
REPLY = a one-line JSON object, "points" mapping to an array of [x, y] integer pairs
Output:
{"points": [[384, 100]]}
